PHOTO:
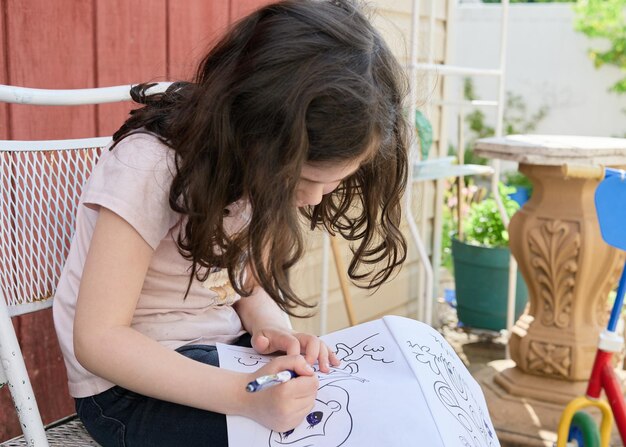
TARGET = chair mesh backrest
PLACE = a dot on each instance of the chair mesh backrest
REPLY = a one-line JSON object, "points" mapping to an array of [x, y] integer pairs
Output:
{"points": [[38, 201]]}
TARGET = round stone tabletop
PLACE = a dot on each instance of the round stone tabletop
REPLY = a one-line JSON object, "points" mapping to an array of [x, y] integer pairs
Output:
{"points": [[554, 150]]}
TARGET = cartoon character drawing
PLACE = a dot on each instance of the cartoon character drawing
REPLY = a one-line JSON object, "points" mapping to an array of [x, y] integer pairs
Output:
{"points": [[330, 418]]}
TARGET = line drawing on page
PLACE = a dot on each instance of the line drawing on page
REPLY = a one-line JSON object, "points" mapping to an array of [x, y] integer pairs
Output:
{"points": [[330, 422], [453, 392], [361, 350], [331, 417], [399, 381]]}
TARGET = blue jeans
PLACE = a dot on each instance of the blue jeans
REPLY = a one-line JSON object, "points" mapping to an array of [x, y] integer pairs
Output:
{"points": [[118, 417]]}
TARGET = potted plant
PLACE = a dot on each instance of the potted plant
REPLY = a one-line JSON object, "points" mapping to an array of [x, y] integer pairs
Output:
{"points": [[481, 266]]}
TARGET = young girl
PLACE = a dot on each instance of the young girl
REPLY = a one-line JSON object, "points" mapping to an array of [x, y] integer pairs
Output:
{"points": [[192, 219]]}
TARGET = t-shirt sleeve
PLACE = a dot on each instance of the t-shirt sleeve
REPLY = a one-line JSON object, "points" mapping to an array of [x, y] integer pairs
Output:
{"points": [[133, 180]]}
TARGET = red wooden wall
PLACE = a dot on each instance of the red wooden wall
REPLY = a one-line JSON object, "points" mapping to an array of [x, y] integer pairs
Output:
{"points": [[81, 44]]}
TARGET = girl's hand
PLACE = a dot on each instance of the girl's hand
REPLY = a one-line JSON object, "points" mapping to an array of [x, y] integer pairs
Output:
{"points": [[283, 407], [267, 341]]}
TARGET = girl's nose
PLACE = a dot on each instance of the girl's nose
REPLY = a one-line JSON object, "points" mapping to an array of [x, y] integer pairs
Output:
{"points": [[313, 195]]}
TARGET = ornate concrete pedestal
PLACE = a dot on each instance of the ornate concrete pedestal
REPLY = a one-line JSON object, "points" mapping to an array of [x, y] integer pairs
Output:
{"points": [[568, 268]]}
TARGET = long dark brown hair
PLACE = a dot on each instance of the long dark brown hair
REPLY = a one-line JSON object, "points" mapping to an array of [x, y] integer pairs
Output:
{"points": [[296, 81]]}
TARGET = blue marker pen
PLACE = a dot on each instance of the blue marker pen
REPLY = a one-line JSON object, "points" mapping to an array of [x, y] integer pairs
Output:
{"points": [[260, 383]]}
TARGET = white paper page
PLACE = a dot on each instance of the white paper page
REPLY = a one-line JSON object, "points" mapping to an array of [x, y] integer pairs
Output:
{"points": [[372, 399], [456, 400]]}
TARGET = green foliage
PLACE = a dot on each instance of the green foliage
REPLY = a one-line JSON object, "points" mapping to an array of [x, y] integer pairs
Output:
{"points": [[477, 126], [605, 19], [484, 226], [518, 180], [516, 120], [491, 232], [470, 194], [529, 1], [447, 231]]}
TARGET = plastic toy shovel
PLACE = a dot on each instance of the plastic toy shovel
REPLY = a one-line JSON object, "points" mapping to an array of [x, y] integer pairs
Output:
{"points": [[611, 210]]}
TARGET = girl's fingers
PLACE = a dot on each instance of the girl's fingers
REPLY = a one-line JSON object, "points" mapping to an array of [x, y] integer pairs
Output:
{"points": [[323, 358], [311, 349], [261, 344], [315, 350], [302, 387], [290, 344], [332, 357], [268, 342], [295, 363], [310, 346]]}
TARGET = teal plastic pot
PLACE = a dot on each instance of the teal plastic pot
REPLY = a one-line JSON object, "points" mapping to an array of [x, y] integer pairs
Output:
{"points": [[481, 278]]}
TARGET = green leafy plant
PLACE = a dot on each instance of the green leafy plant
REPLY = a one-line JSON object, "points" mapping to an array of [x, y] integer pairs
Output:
{"points": [[484, 226], [518, 180], [530, 1], [470, 194], [606, 20], [516, 120]]}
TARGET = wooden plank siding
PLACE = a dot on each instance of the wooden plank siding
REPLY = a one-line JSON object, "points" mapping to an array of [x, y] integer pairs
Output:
{"points": [[194, 25], [81, 44], [240, 8], [7, 413], [45, 47], [130, 47]]}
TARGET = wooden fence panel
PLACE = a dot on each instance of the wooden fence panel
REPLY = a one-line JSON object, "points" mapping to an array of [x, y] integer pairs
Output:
{"points": [[239, 8], [4, 114], [8, 420], [45, 47], [49, 45], [130, 48], [194, 27]]}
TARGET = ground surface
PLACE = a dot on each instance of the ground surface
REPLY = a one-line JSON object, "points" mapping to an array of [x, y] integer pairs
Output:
{"points": [[519, 422]]}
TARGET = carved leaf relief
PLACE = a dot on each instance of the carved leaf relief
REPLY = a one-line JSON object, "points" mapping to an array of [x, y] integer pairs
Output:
{"points": [[554, 248]]}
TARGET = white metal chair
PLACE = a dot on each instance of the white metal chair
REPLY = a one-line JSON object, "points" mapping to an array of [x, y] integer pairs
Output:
{"points": [[40, 184]]}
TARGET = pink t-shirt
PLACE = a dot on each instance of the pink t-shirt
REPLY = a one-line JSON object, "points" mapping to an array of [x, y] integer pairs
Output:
{"points": [[133, 180]]}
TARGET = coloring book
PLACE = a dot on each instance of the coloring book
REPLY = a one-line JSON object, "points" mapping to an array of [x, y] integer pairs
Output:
{"points": [[399, 384]]}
